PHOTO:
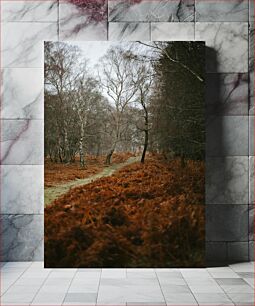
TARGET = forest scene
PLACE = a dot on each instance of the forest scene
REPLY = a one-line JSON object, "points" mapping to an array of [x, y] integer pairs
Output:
{"points": [[124, 149]]}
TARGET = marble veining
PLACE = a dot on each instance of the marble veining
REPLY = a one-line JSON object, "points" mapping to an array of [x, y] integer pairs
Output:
{"points": [[129, 31], [75, 24], [22, 237], [234, 10], [21, 189], [22, 43], [227, 181], [151, 10], [251, 68], [22, 93], [227, 45], [21, 142], [227, 93], [23, 10]]}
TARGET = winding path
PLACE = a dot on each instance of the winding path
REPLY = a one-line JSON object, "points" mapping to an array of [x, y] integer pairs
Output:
{"points": [[52, 193]]}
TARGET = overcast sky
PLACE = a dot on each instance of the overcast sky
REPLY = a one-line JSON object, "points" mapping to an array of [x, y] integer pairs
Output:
{"points": [[93, 50]]}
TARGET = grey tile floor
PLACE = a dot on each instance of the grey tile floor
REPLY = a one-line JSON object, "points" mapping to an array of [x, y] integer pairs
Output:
{"points": [[28, 283]]}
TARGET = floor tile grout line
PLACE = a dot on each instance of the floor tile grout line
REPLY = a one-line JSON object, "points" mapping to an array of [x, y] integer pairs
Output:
{"points": [[160, 286], [69, 286], [223, 288], [98, 288], [40, 287], [15, 280], [228, 295], [189, 287]]}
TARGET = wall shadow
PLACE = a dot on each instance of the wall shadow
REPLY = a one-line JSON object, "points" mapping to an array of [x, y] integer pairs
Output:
{"points": [[215, 252]]}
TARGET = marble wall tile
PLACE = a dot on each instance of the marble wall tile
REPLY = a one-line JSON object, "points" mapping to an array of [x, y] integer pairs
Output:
{"points": [[74, 24], [216, 252], [234, 10], [129, 31], [251, 135], [251, 68], [22, 142], [227, 180], [227, 135], [251, 10], [22, 237], [251, 94], [238, 251], [251, 250], [23, 10], [22, 93], [251, 222], [172, 31], [226, 94], [227, 223], [22, 43], [227, 43], [21, 189], [251, 180], [151, 10]]}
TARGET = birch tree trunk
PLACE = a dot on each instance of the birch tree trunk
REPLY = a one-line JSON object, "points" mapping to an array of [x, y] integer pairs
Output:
{"points": [[82, 160], [67, 157]]}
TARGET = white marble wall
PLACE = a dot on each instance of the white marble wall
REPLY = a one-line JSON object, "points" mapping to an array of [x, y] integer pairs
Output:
{"points": [[228, 31]]}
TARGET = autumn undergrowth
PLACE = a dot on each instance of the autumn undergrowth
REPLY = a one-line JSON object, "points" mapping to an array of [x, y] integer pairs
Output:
{"points": [[58, 173], [145, 215]]}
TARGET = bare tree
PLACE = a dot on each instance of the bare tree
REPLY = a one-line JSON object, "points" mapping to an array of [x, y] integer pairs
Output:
{"points": [[85, 97], [143, 95], [61, 73], [119, 82]]}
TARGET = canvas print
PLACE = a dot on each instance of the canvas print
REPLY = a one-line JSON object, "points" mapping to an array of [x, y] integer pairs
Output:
{"points": [[124, 179]]}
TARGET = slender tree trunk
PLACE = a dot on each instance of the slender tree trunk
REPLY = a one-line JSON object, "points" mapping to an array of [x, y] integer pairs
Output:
{"points": [[59, 155], [82, 161], [98, 148], [51, 155], [67, 153], [146, 136], [146, 139], [108, 157]]}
